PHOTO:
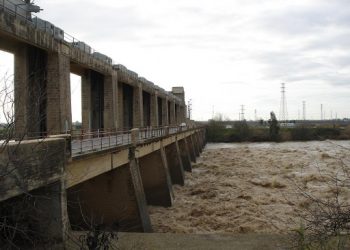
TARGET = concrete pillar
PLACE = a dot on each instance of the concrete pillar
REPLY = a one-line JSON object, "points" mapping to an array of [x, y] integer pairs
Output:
{"points": [[199, 142], [183, 113], [43, 211], [138, 106], [195, 144], [154, 109], [165, 120], [110, 112], [59, 112], [191, 148], [156, 179], [175, 164], [185, 155], [120, 106], [21, 95], [86, 100], [114, 199], [172, 113], [93, 100], [30, 97], [160, 111], [128, 106], [146, 100]]}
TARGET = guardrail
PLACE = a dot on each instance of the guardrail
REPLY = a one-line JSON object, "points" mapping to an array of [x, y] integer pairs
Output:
{"points": [[88, 141], [31, 19]]}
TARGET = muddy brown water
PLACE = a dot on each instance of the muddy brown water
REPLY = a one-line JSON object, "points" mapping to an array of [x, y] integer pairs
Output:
{"points": [[253, 187]]}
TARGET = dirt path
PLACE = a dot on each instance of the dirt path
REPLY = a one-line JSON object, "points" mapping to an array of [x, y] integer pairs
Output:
{"points": [[252, 187]]}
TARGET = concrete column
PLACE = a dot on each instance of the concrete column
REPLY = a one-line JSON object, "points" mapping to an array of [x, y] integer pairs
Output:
{"points": [[120, 106], [199, 142], [195, 144], [185, 155], [30, 97], [146, 100], [154, 109], [51, 211], [113, 199], [21, 95], [138, 106], [86, 100], [110, 112], [165, 120], [59, 112], [156, 179], [175, 164], [191, 148], [92, 98], [172, 113]]}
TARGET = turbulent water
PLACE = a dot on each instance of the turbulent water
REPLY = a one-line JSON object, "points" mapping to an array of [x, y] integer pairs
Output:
{"points": [[254, 187]]}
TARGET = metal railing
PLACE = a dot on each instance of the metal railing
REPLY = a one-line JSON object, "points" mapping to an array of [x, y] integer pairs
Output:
{"points": [[45, 26], [96, 140]]}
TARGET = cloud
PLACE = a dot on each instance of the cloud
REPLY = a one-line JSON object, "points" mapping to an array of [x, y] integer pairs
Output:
{"points": [[230, 52]]}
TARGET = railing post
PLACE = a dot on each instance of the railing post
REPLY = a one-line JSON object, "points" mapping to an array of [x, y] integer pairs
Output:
{"points": [[134, 136]]}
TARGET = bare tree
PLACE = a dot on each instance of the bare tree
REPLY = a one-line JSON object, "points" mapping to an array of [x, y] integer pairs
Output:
{"points": [[326, 221]]}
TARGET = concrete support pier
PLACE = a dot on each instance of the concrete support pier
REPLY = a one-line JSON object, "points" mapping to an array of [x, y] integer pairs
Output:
{"points": [[114, 199], [185, 155], [175, 164], [156, 179]]}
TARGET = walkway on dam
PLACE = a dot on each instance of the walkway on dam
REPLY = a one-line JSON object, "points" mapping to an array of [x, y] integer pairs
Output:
{"points": [[97, 141]]}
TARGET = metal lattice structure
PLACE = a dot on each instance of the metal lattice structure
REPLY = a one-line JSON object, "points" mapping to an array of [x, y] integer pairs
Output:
{"points": [[283, 106]]}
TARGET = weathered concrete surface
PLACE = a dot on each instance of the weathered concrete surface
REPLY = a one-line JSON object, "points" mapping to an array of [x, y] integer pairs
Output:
{"points": [[156, 179], [31, 164], [38, 217], [185, 155], [32, 179], [175, 165], [191, 147], [114, 199]]}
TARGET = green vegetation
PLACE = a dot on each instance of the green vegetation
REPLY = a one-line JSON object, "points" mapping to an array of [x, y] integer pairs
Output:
{"points": [[218, 131]]}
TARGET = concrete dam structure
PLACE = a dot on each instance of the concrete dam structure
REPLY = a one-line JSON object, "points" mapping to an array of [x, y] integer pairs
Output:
{"points": [[134, 144]]}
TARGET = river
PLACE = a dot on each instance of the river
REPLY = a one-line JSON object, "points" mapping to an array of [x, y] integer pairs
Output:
{"points": [[254, 187]]}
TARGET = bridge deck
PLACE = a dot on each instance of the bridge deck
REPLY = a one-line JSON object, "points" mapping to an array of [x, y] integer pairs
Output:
{"points": [[92, 142]]}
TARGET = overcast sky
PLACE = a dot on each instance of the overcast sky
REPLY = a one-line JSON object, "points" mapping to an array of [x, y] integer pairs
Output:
{"points": [[225, 53]]}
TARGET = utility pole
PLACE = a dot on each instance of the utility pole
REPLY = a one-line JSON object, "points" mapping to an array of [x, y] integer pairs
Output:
{"points": [[283, 105], [189, 109], [242, 113], [255, 115]]}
